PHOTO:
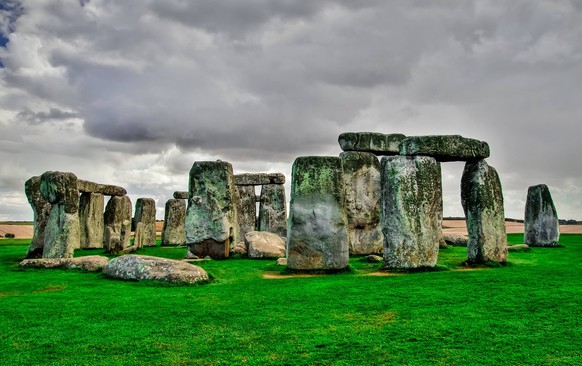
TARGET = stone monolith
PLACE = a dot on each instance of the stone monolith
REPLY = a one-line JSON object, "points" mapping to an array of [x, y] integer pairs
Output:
{"points": [[542, 228], [91, 227], [41, 210], [145, 212], [247, 210], [117, 221], [174, 231], [273, 210]]}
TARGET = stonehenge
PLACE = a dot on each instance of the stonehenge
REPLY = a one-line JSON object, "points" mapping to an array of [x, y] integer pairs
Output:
{"points": [[41, 209], [117, 222], [542, 228], [174, 231], [145, 213], [91, 220]]}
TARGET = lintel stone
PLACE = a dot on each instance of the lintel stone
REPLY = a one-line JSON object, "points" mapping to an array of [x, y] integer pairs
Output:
{"points": [[445, 147]]}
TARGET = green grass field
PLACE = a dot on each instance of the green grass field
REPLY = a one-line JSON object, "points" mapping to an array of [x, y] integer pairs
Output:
{"points": [[526, 313]]}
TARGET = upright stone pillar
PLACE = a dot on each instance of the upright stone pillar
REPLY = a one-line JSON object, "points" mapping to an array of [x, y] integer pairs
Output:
{"points": [[482, 200], [174, 231], [41, 210], [91, 220], [317, 237], [361, 178], [542, 228], [62, 231], [145, 212], [411, 204], [211, 218], [273, 210], [117, 221], [247, 211]]}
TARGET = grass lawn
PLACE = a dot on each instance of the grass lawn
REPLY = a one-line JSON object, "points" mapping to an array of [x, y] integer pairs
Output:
{"points": [[526, 313]]}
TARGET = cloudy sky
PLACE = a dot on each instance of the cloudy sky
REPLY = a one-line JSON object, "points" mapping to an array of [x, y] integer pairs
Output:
{"points": [[133, 92]]}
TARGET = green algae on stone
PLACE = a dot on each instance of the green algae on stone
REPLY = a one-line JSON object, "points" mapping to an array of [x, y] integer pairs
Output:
{"points": [[247, 210], [445, 147], [41, 210], [273, 210], [541, 225], [372, 142]]}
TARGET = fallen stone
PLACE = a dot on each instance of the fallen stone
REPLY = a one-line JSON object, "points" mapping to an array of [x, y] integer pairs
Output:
{"points": [[541, 226], [517, 247], [105, 189], [181, 195], [240, 248], [372, 258], [262, 244], [174, 231], [145, 213], [445, 147], [41, 210], [144, 267], [258, 179], [375, 143], [91, 220], [247, 210], [117, 221], [91, 263], [273, 210], [281, 261], [456, 239]]}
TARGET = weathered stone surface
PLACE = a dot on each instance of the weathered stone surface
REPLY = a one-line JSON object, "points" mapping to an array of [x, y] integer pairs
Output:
{"points": [[211, 217], [542, 228], [317, 237], [91, 263], [281, 261], [174, 231], [262, 244], [41, 210], [361, 179], [105, 189], [372, 258], [181, 195], [482, 200], [62, 235], [456, 239], [91, 227], [273, 210], [145, 212], [517, 247], [145, 267], [411, 205], [445, 147], [117, 221], [247, 210], [258, 179], [372, 142], [140, 236]]}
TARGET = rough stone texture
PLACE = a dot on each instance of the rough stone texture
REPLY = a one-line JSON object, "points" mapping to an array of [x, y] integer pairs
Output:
{"points": [[542, 228], [145, 267], [105, 189], [372, 258], [91, 263], [117, 221], [62, 234], [517, 247], [258, 179], [445, 147], [140, 236], [174, 231], [211, 218], [411, 206], [91, 220], [317, 237], [179, 195], [361, 179], [247, 210], [281, 261], [273, 210], [41, 210], [482, 200], [456, 239], [375, 143], [262, 244], [145, 212]]}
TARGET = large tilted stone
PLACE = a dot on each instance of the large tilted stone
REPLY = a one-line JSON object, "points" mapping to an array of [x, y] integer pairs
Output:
{"points": [[62, 235], [91, 220], [247, 211], [372, 142], [211, 218], [41, 210], [361, 179], [482, 200], [262, 244], [317, 237], [181, 195], [117, 221], [273, 210], [258, 179], [542, 228], [174, 231], [105, 189], [145, 212], [445, 147], [411, 206], [144, 267]]}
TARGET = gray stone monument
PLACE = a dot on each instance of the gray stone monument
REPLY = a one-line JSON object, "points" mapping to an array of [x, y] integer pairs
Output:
{"points": [[117, 221], [273, 210], [41, 210], [174, 231], [247, 211], [91, 226], [145, 212], [542, 228]]}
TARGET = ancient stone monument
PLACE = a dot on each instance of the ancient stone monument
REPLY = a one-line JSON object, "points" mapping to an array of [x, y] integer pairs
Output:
{"points": [[117, 221], [445, 147], [273, 210], [372, 142], [542, 228], [91, 207], [247, 210], [145, 213], [211, 217], [41, 209], [174, 231], [317, 237]]}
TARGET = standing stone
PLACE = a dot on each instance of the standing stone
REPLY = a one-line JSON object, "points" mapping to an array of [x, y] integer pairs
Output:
{"points": [[411, 205], [91, 220], [482, 200], [273, 210], [247, 210], [361, 179], [41, 210], [317, 237], [117, 221], [62, 230], [542, 228], [145, 212], [174, 231], [211, 218]]}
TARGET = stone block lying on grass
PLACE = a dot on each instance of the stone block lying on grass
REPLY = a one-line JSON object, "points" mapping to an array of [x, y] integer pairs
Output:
{"points": [[455, 240], [262, 244], [145, 267], [91, 263], [518, 248]]}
